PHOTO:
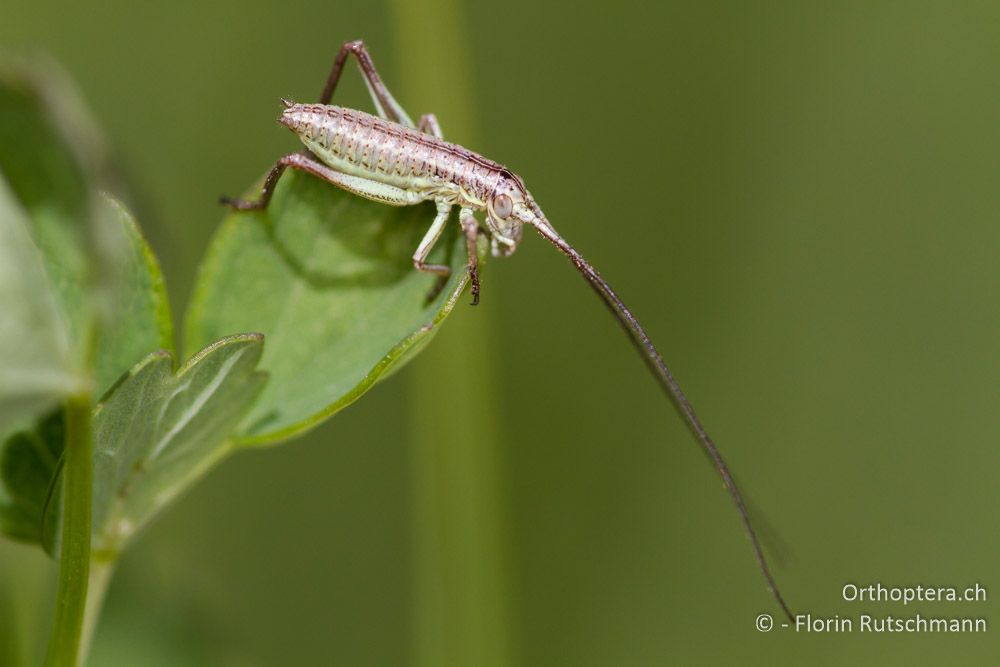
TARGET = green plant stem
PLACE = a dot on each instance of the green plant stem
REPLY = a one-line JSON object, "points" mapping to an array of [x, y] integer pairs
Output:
{"points": [[101, 571], [461, 606], [74, 558]]}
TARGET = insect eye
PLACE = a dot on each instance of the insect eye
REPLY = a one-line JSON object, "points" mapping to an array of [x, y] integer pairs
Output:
{"points": [[503, 206]]}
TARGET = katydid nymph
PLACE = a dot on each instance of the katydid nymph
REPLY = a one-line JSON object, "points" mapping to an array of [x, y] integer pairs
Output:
{"points": [[389, 159]]}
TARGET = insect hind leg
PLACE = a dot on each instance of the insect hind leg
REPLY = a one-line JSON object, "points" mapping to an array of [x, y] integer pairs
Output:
{"points": [[386, 104], [266, 192], [429, 125], [364, 187]]}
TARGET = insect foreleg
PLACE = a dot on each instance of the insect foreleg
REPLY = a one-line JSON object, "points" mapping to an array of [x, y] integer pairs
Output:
{"points": [[386, 104], [470, 227], [364, 187]]}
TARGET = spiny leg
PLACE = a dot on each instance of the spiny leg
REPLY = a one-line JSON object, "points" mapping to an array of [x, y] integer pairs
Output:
{"points": [[470, 227], [387, 107], [266, 191], [386, 104], [364, 187]]}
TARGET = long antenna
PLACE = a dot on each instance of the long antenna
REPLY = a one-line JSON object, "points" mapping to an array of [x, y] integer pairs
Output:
{"points": [[655, 362]]}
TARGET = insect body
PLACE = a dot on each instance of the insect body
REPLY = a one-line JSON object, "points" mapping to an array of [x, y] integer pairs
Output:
{"points": [[396, 164], [366, 146], [388, 159]]}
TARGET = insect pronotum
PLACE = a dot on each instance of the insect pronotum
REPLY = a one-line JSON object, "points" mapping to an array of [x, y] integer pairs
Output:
{"points": [[388, 159]]}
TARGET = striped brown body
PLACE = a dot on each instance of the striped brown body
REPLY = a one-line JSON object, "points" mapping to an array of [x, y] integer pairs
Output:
{"points": [[364, 145]]}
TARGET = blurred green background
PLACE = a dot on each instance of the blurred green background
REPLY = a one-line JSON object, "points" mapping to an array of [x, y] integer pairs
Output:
{"points": [[800, 202]]}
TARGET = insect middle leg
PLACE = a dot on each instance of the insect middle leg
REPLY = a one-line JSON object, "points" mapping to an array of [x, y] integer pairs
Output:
{"points": [[470, 227], [427, 244], [429, 240]]}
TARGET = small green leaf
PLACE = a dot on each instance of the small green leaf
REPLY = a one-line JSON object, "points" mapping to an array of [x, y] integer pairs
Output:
{"points": [[157, 432], [29, 461], [328, 278], [67, 254], [95, 259], [140, 319], [46, 156], [44, 161], [138, 316], [36, 368]]}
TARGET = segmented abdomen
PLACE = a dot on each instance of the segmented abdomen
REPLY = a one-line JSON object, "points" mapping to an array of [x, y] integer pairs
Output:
{"points": [[362, 144]]}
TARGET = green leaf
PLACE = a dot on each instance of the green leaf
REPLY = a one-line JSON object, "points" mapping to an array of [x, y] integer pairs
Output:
{"points": [[141, 322], [138, 316], [328, 278], [69, 257], [29, 462], [50, 148], [157, 432], [95, 259], [36, 368], [50, 171]]}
